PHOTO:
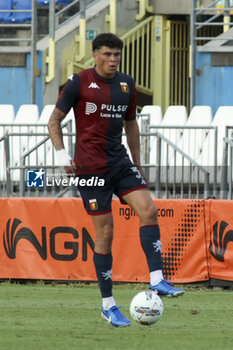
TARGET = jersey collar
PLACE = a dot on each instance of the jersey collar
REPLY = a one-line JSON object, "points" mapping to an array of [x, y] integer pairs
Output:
{"points": [[103, 79]]}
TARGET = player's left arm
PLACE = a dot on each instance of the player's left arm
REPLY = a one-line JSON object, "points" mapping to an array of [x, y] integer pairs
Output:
{"points": [[133, 141]]}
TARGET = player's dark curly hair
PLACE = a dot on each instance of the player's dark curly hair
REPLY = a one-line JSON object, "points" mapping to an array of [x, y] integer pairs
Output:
{"points": [[107, 39]]}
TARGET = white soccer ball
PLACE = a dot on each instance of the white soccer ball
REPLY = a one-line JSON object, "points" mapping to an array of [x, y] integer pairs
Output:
{"points": [[146, 307]]}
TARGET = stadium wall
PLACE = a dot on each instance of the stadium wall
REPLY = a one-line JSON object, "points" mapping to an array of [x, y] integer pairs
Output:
{"points": [[53, 239], [214, 84], [16, 82]]}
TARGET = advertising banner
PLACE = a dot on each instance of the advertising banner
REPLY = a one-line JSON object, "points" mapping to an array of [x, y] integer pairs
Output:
{"points": [[220, 245], [53, 239]]}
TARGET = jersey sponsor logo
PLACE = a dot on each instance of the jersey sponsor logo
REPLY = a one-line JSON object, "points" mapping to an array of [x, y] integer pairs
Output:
{"points": [[114, 108], [90, 108], [93, 85], [71, 77], [124, 87], [105, 109]]}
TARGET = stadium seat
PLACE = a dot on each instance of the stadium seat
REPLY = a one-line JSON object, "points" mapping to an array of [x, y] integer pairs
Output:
{"points": [[223, 117], [26, 115], [21, 17], [43, 2], [155, 118], [192, 139], [200, 115], [46, 2], [5, 5], [45, 114], [155, 114], [7, 114], [42, 152], [62, 2], [174, 116]]}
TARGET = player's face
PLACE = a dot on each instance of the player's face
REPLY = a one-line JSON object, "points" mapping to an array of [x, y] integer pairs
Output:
{"points": [[107, 61]]}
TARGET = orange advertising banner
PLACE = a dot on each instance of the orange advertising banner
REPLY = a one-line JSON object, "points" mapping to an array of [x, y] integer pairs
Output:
{"points": [[220, 244], [53, 239]]}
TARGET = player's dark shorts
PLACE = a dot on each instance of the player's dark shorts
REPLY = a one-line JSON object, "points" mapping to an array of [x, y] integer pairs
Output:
{"points": [[98, 190]]}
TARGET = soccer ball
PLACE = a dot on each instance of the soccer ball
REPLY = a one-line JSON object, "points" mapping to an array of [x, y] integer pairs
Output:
{"points": [[146, 307]]}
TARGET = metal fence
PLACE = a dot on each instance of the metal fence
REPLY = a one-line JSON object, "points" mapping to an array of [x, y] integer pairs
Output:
{"points": [[227, 168], [25, 148], [180, 162]]}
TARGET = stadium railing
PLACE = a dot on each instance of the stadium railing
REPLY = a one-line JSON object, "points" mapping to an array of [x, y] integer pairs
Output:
{"points": [[180, 161], [175, 178], [181, 174], [227, 174], [37, 153]]}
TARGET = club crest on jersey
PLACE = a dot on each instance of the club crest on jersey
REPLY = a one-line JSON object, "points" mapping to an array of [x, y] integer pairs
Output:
{"points": [[93, 204], [124, 87]]}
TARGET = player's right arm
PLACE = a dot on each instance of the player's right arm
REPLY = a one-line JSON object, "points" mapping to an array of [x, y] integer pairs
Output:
{"points": [[55, 133], [54, 127], [67, 99]]}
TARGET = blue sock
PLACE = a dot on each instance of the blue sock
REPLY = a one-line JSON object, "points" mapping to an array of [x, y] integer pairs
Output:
{"points": [[103, 267], [151, 244]]}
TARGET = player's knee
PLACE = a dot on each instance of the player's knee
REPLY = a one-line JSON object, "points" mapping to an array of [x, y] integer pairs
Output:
{"points": [[149, 214], [153, 212], [107, 233]]}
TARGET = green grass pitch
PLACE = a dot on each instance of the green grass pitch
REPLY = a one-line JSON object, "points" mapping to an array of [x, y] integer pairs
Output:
{"points": [[42, 316]]}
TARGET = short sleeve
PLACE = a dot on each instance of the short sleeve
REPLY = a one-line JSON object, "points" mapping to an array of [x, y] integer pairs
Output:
{"points": [[69, 95]]}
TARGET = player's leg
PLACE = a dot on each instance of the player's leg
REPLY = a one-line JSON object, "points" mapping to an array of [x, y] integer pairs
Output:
{"points": [[97, 202], [142, 203], [103, 264], [103, 256]]}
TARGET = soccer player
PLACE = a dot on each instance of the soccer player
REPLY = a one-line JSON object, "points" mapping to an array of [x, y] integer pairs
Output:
{"points": [[104, 101]]}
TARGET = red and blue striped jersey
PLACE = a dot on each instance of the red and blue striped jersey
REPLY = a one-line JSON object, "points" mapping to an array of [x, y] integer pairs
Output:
{"points": [[100, 107]]}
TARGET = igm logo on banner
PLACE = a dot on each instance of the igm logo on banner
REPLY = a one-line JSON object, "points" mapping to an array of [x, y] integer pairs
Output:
{"points": [[35, 178], [15, 232]]}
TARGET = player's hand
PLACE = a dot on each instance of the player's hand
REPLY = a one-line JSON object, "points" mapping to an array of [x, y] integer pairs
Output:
{"points": [[65, 162], [70, 170]]}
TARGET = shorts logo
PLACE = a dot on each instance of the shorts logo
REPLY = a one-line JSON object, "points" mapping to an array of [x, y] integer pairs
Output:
{"points": [[124, 87], [35, 178], [93, 204], [90, 108], [138, 175]]}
